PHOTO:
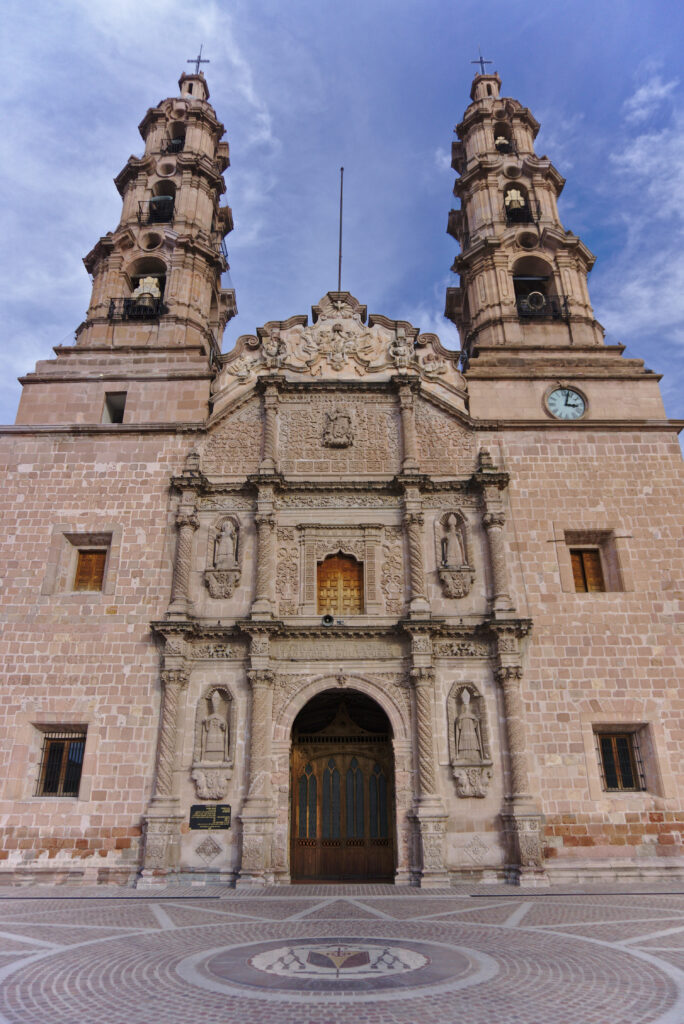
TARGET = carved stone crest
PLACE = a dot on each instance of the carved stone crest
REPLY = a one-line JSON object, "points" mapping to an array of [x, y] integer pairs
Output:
{"points": [[454, 557], [471, 760], [224, 542], [338, 431]]}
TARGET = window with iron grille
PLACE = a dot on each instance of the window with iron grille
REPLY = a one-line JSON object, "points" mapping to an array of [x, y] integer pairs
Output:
{"points": [[620, 761], [61, 763]]}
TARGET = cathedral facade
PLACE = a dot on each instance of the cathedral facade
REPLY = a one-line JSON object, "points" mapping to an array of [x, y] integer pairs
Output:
{"points": [[371, 609]]}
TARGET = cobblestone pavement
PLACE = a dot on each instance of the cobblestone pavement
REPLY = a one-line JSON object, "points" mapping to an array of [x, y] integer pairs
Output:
{"points": [[342, 954]]}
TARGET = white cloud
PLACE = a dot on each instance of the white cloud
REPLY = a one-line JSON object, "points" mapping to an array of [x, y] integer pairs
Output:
{"points": [[648, 98]]}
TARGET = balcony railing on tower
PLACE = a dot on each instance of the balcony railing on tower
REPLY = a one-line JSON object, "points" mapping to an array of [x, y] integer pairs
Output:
{"points": [[537, 306], [157, 210], [527, 212], [135, 309], [172, 146]]}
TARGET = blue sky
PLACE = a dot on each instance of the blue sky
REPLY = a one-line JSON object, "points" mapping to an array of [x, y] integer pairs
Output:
{"points": [[373, 85]]}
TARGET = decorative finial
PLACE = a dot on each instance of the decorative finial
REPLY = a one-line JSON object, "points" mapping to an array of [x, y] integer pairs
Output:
{"points": [[198, 60], [481, 61]]}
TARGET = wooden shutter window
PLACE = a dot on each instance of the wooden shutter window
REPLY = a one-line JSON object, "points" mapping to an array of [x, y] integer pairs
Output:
{"points": [[90, 568], [586, 571], [620, 761], [340, 586]]}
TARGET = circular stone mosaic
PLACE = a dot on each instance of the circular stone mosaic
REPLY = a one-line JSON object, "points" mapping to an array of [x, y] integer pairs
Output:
{"points": [[364, 969]]}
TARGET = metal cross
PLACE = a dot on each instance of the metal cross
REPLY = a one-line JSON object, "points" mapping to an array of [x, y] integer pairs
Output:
{"points": [[481, 62], [198, 60]]}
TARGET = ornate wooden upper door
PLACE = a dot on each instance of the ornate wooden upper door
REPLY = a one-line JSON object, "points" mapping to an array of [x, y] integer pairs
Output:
{"points": [[342, 804]]}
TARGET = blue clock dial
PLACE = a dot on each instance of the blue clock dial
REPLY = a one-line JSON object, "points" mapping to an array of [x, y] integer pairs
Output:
{"points": [[566, 404]]}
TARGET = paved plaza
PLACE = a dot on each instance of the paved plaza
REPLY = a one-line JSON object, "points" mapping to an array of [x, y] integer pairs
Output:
{"points": [[342, 955]]}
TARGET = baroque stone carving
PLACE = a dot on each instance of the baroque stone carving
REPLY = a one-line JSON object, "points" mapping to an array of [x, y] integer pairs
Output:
{"points": [[212, 761], [445, 446], [208, 849], [392, 575], [224, 540], [471, 760], [338, 431], [454, 554], [344, 499], [210, 651], [287, 572], [462, 649]]}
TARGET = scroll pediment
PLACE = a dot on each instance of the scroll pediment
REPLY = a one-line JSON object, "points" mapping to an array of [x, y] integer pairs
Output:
{"points": [[338, 345]]}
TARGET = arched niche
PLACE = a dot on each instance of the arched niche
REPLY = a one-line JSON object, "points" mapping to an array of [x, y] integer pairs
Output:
{"points": [[469, 744], [212, 762]]}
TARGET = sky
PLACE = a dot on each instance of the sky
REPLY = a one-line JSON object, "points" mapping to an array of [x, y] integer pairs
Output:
{"points": [[375, 86]]}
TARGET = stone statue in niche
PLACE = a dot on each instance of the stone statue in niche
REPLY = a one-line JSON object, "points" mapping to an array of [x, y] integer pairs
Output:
{"points": [[338, 431], [224, 575], [471, 761], [212, 763], [455, 567], [401, 349]]}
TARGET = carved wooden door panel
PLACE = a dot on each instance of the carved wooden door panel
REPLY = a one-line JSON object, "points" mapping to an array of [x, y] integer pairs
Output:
{"points": [[342, 810], [340, 586]]}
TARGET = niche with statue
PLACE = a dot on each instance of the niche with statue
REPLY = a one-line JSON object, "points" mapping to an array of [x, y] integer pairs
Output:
{"points": [[454, 554], [223, 575], [212, 763], [469, 750]]}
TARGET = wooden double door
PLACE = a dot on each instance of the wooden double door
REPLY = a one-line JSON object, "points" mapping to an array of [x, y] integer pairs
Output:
{"points": [[342, 814]]}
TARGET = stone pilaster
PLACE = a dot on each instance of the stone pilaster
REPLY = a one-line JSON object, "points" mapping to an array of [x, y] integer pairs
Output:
{"points": [[264, 598], [186, 524], [258, 815], [269, 461], [162, 823], [408, 425]]}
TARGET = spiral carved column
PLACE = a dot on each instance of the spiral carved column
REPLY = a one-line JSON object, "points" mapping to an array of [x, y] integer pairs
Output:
{"points": [[509, 679], [423, 681], [429, 816], [187, 522], [258, 813], [162, 823], [414, 531], [264, 599], [493, 524]]}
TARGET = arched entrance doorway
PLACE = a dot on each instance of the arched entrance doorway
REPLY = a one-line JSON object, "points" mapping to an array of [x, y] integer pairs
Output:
{"points": [[342, 790]]}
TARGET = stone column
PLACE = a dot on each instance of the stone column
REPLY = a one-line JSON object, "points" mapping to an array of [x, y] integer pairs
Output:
{"points": [[269, 460], [493, 524], [408, 426], [413, 520], [429, 815], [186, 523], [258, 813], [522, 820], [162, 822], [264, 598]]}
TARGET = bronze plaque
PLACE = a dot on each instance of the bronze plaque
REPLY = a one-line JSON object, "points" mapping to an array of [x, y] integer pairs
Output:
{"points": [[210, 816]]}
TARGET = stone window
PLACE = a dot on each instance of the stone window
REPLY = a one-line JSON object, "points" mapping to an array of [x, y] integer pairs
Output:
{"points": [[593, 561], [114, 405], [620, 761], [61, 762], [82, 563], [340, 585]]}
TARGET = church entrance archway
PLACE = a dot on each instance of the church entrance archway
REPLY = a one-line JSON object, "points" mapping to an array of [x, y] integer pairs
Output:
{"points": [[342, 810]]}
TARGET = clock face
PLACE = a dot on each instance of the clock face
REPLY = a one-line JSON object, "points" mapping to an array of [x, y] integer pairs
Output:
{"points": [[566, 404]]}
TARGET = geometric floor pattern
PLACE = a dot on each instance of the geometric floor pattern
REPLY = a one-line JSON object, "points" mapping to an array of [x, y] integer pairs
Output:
{"points": [[341, 955]]}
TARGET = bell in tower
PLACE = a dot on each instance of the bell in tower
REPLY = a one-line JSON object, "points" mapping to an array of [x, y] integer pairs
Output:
{"points": [[158, 309]]}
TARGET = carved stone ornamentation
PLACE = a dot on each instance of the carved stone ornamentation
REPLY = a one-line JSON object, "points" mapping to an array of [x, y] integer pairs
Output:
{"points": [[212, 760], [338, 431], [224, 542], [221, 583], [462, 649], [469, 749], [208, 849], [392, 572], [287, 573], [454, 554]]}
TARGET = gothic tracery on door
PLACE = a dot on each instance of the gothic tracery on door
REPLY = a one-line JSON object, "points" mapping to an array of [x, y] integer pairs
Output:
{"points": [[342, 786]]}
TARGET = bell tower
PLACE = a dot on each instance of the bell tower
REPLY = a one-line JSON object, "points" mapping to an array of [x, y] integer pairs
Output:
{"points": [[157, 312], [522, 305]]}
